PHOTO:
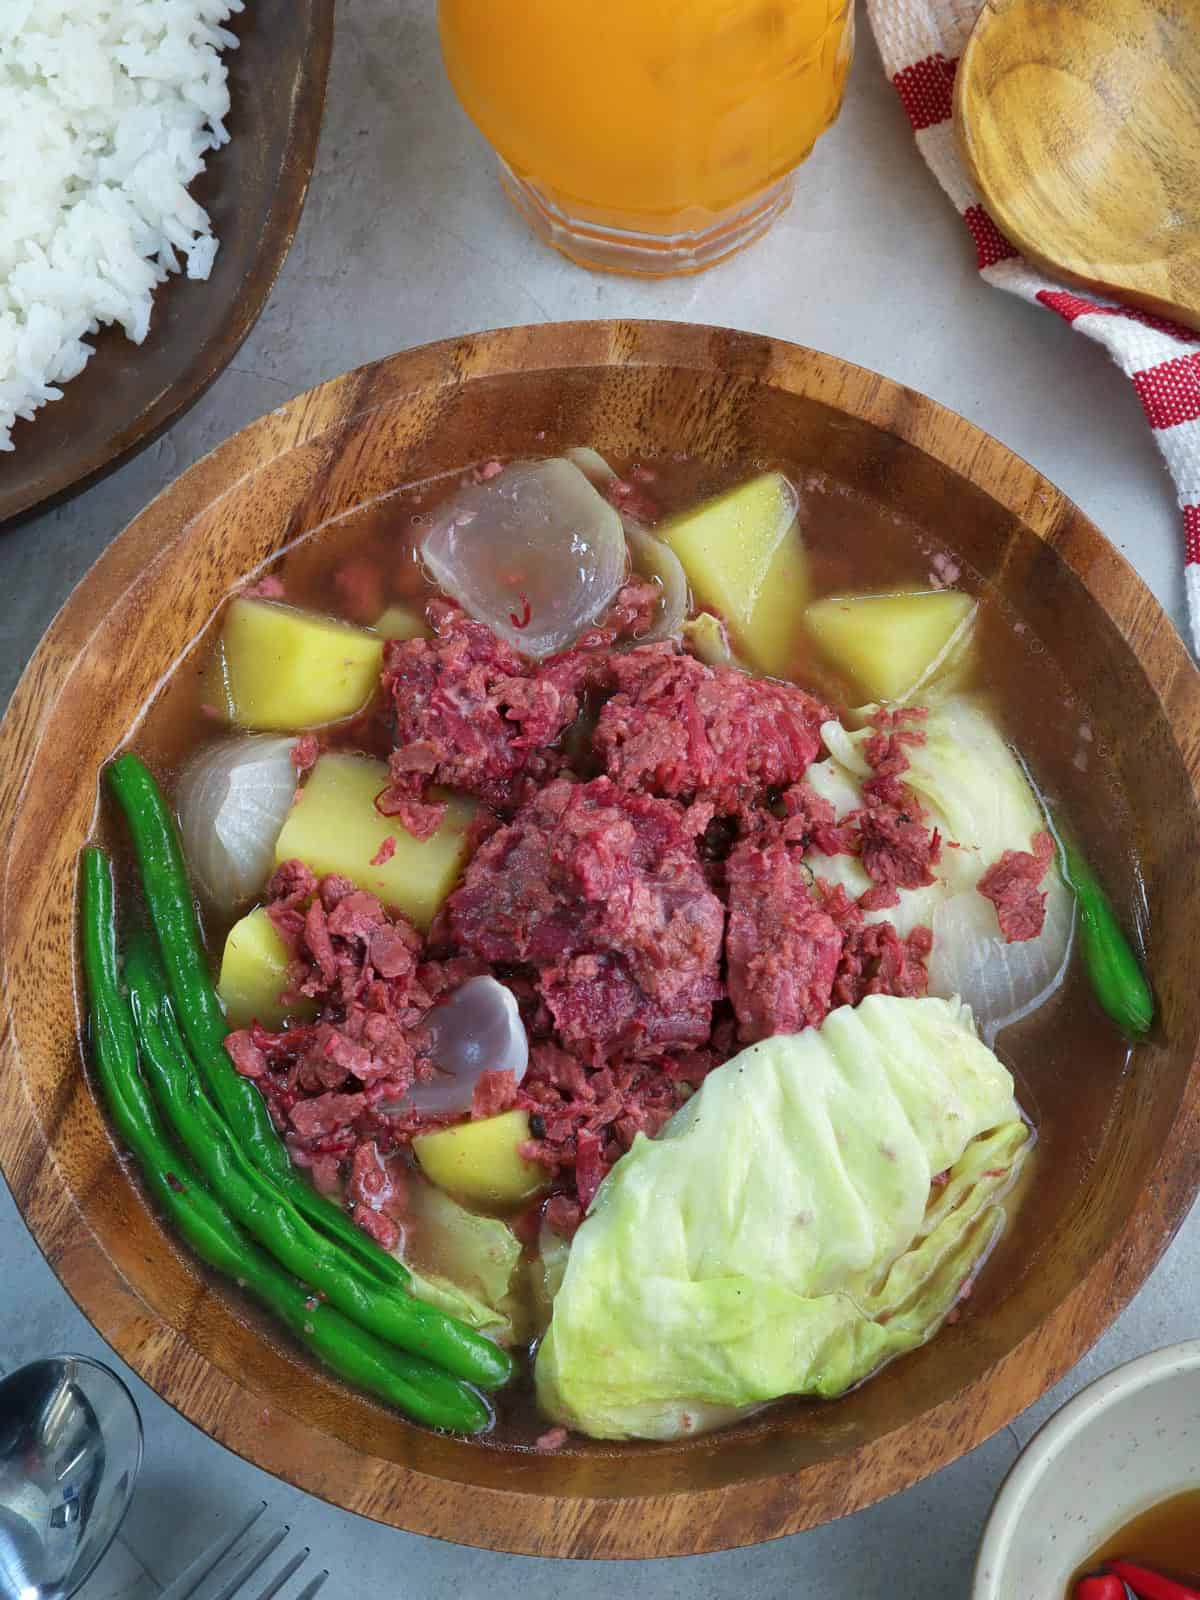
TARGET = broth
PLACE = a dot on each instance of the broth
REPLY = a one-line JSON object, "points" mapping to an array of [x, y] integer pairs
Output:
{"points": [[1065, 1053]]}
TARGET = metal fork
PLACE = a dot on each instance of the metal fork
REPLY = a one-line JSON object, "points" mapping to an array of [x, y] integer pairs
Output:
{"points": [[237, 1571]]}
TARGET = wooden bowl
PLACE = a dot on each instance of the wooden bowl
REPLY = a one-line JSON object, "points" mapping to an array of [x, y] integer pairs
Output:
{"points": [[254, 191], [1119, 1161]]}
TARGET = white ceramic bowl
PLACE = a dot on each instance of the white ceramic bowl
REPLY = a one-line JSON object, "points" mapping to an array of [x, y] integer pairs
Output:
{"points": [[1120, 1447], [1124, 1444]]}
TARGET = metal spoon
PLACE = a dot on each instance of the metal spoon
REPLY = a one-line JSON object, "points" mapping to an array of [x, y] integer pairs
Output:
{"points": [[70, 1450]]}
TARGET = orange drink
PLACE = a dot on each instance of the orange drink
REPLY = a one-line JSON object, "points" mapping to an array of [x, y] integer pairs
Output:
{"points": [[649, 135]]}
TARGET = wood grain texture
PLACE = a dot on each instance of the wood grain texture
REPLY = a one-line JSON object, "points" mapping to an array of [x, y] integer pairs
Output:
{"points": [[1079, 121], [628, 388], [254, 190]]}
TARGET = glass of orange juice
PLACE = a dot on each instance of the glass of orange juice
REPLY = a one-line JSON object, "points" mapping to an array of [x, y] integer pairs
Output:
{"points": [[649, 136]]}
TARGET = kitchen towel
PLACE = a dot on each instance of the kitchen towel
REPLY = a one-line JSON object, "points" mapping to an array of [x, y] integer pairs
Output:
{"points": [[920, 42]]}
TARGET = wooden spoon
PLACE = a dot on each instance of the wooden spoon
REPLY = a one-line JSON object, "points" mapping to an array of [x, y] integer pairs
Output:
{"points": [[1079, 121]]}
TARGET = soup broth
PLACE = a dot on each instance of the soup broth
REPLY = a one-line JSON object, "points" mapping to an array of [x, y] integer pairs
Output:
{"points": [[357, 566]]}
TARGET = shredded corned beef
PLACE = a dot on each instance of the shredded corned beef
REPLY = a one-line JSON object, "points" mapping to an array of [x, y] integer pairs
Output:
{"points": [[602, 892], [887, 757], [373, 983], [874, 958], [335, 1085], [898, 851], [583, 1119], [269, 587], [782, 949], [472, 714], [494, 1092], [631, 614], [631, 499], [677, 727], [810, 821], [304, 752], [377, 1193], [647, 921], [1012, 885]]}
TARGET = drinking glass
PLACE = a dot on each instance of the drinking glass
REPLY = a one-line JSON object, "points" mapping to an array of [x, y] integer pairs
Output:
{"points": [[649, 136]]}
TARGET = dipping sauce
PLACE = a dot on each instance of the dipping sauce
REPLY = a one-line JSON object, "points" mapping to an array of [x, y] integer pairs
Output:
{"points": [[1166, 1539]]}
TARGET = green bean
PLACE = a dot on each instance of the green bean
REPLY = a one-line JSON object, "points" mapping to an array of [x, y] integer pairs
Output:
{"points": [[173, 913], [267, 1214], [1112, 968], [410, 1384]]}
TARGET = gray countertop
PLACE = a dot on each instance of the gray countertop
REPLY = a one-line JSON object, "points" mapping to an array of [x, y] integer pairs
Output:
{"points": [[405, 239]]}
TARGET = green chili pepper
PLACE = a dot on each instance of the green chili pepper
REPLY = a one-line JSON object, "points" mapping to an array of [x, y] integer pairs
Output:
{"points": [[169, 899], [1115, 973], [267, 1213], [410, 1384]]}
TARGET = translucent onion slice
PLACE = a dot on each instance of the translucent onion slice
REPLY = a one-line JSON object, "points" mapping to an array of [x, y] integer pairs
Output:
{"points": [[648, 555], [477, 1030], [535, 553], [592, 464], [232, 801], [1000, 982], [656, 560]]}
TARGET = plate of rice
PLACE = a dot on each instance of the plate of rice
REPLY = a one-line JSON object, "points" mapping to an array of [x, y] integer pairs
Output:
{"points": [[154, 160]]}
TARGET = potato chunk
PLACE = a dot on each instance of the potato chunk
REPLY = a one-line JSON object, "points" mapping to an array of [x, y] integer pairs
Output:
{"points": [[402, 622], [291, 669], [894, 646], [334, 827], [744, 559], [254, 975], [480, 1161]]}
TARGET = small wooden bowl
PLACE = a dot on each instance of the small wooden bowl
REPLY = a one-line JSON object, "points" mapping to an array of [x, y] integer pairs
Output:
{"points": [[1119, 1162]]}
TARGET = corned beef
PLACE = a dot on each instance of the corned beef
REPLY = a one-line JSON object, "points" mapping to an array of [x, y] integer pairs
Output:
{"points": [[887, 756], [600, 901], [602, 892], [782, 949], [579, 1114], [897, 850], [1012, 885], [369, 974], [377, 1193], [474, 715], [676, 727], [874, 958]]}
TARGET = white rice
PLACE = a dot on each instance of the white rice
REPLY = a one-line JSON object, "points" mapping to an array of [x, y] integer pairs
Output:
{"points": [[107, 110]]}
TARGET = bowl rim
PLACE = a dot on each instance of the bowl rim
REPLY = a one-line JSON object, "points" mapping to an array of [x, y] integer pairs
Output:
{"points": [[675, 1521], [1053, 1437]]}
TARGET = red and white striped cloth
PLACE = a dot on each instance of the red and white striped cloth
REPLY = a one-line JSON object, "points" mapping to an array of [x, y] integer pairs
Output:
{"points": [[920, 42]]}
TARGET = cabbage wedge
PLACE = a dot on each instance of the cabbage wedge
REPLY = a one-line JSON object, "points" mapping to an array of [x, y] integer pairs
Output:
{"points": [[465, 1264], [784, 1234]]}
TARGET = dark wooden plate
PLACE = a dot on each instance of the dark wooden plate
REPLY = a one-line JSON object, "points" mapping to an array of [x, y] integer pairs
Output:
{"points": [[1119, 1161], [254, 191]]}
